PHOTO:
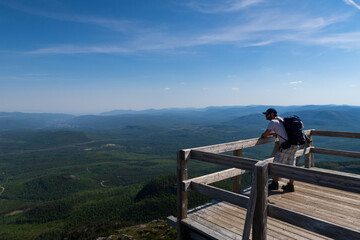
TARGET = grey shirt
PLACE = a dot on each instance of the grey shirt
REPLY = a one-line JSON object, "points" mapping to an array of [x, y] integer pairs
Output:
{"points": [[277, 126]]}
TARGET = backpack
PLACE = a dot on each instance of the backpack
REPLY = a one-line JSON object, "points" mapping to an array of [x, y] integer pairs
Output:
{"points": [[293, 126]]}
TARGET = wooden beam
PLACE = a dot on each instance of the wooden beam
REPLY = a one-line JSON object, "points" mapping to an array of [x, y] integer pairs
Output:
{"points": [[312, 224], [308, 132], [226, 160], [237, 179], [335, 134], [260, 213], [184, 154], [269, 160], [327, 179], [250, 208], [211, 231], [231, 146], [182, 198], [213, 177], [300, 152], [335, 152], [220, 194], [311, 155], [172, 221]]}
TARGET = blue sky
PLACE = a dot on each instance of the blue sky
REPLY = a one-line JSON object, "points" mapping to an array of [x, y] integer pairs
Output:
{"points": [[92, 56]]}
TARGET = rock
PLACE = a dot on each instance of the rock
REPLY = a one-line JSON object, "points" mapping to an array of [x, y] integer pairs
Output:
{"points": [[126, 237], [144, 232], [112, 237], [159, 226], [164, 234], [156, 221]]}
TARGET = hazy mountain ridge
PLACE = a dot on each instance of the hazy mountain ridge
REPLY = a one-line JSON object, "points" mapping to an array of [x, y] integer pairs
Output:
{"points": [[312, 119], [18, 120], [314, 115]]}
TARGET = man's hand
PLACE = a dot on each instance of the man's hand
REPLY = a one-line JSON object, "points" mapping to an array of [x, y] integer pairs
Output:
{"points": [[267, 133]]}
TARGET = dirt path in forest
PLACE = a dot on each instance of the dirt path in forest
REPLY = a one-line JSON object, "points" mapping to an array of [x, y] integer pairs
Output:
{"points": [[102, 183]]}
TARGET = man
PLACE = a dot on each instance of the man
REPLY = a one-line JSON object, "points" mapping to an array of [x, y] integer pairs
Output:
{"points": [[283, 156]]}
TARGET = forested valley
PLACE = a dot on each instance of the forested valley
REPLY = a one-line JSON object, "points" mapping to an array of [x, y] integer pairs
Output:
{"points": [[83, 177]]}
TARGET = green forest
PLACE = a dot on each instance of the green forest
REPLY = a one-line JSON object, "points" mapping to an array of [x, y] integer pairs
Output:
{"points": [[83, 183]]}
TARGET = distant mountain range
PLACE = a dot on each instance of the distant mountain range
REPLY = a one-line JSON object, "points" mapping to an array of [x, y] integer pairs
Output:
{"points": [[331, 117]]}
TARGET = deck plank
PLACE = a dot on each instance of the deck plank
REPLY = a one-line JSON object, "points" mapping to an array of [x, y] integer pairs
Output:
{"points": [[216, 229], [275, 227], [332, 213], [327, 208], [222, 220]]}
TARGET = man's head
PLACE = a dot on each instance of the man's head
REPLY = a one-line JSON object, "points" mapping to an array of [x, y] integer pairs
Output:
{"points": [[270, 113]]}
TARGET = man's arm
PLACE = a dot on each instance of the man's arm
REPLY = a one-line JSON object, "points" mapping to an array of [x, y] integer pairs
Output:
{"points": [[267, 133]]}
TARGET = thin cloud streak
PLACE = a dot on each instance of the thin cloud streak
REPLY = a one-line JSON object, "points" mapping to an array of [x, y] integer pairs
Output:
{"points": [[222, 6], [351, 2], [74, 49], [112, 24], [349, 40], [261, 29], [296, 82]]}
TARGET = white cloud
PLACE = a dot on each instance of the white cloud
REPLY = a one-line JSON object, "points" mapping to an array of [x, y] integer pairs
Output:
{"points": [[221, 6], [296, 82], [167, 89], [351, 2], [259, 28], [349, 40], [113, 24], [205, 89], [235, 89], [74, 49]]}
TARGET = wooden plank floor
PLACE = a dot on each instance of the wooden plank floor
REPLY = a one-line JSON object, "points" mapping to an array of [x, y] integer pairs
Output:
{"points": [[221, 220]]}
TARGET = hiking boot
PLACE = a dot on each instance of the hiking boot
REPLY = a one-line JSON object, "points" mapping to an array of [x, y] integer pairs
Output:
{"points": [[288, 187], [273, 185]]}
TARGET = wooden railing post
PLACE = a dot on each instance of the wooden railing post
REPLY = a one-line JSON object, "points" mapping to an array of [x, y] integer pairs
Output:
{"points": [[250, 208], [312, 159], [309, 158], [237, 179], [182, 199], [260, 214]]}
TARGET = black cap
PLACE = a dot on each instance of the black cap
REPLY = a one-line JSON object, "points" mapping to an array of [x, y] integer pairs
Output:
{"points": [[270, 111]]}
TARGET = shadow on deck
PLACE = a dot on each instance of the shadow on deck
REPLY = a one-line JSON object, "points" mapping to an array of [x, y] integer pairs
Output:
{"points": [[325, 204]]}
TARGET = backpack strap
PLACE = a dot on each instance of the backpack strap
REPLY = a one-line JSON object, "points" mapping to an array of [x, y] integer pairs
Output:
{"points": [[282, 121]]}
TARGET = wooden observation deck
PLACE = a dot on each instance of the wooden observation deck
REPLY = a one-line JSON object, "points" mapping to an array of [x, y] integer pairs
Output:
{"points": [[325, 204]]}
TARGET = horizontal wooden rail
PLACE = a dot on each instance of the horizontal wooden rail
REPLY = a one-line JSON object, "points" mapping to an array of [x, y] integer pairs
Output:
{"points": [[300, 152], [312, 224], [335, 134], [220, 194], [326, 179], [225, 160], [231, 146], [335, 152], [213, 177]]}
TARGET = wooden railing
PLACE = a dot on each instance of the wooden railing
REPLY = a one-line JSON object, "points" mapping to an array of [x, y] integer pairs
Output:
{"points": [[258, 208]]}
